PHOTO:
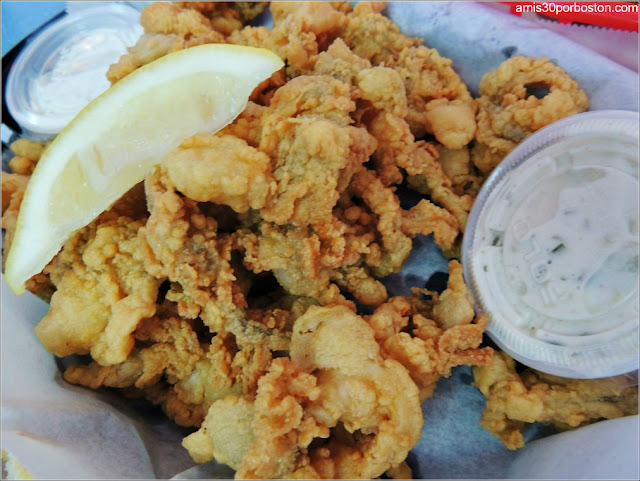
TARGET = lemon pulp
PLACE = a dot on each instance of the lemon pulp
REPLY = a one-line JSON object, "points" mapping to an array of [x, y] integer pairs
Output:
{"points": [[113, 143]]}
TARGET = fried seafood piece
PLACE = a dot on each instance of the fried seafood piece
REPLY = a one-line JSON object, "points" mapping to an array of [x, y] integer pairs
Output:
{"points": [[13, 187], [429, 338], [149, 47], [514, 399], [173, 350], [336, 409], [314, 149], [247, 330], [519, 97], [370, 399], [384, 89], [248, 125], [356, 280], [224, 370], [300, 30], [171, 367], [222, 169], [294, 255], [396, 227], [169, 27], [182, 244], [27, 153], [384, 204], [438, 101], [373, 36], [225, 17], [322, 19], [226, 432], [170, 18], [457, 166], [339, 62], [313, 261], [434, 182], [102, 292]]}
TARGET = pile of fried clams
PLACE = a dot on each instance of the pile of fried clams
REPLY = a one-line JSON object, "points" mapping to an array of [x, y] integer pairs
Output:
{"points": [[229, 287]]}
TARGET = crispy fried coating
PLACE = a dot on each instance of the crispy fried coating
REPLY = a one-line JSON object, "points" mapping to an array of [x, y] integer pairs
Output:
{"points": [[226, 432], [181, 244], [28, 152], [519, 97], [339, 62], [172, 26], [225, 17], [457, 166], [149, 47], [167, 18], [514, 399], [102, 294], [395, 244], [330, 384], [306, 132], [300, 31], [438, 100], [429, 338], [13, 186], [222, 169], [174, 351], [373, 36]]}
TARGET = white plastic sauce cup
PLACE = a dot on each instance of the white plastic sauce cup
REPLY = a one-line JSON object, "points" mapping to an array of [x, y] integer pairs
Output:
{"points": [[550, 250], [65, 66]]}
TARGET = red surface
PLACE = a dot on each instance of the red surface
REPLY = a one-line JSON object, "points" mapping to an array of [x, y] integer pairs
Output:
{"points": [[583, 12]]}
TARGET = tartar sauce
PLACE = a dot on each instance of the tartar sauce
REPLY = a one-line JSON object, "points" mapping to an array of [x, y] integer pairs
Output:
{"points": [[77, 72], [64, 67], [554, 256]]}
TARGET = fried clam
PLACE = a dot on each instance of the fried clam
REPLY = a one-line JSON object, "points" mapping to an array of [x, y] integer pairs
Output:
{"points": [[515, 399], [336, 409], [519, 97], [431, 333]]}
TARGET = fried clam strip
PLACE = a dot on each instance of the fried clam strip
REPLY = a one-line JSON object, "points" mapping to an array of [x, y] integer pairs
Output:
{"points": [[519, 97], [164, 347], [336, 409], [430, 337], [514, 399], [225, 17], [182, 244], [222, 169]]}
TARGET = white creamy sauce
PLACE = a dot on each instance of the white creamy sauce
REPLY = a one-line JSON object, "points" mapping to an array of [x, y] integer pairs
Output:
{"points": [[582, 260], [75, 73], [557, 253]]}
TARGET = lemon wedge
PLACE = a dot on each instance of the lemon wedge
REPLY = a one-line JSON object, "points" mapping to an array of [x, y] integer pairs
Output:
{"points": [[114, 142]]}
